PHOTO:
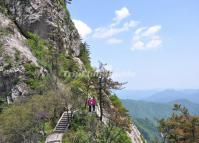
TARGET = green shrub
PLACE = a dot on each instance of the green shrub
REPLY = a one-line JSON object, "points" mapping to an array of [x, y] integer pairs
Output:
{"points": [[34, 80], [3, 8], [86, 128], [117, 103], [39, 48], [1, 48], [6, 31], [66, 64], [85, 55], [79, 136], [17, 55], [8, 62], [31, 70], [48, 127], [23, 121]]}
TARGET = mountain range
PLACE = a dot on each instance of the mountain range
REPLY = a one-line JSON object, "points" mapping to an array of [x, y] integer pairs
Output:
{"points": [[154, 111], [171, 95], [161, 96], [148, 106]]}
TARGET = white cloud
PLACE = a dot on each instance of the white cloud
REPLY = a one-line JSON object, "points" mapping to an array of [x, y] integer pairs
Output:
{"points": [[147, 38], [114, 41], [121, 14], [155, 42], [115, 28], [110, 31], [83, 29], [152, 30]]}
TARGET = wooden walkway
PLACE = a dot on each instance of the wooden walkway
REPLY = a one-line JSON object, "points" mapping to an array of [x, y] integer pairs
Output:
{"points": [[60, 129]]}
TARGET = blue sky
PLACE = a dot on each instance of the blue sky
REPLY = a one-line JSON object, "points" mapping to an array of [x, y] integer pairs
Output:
{"points": [[149, 44]]}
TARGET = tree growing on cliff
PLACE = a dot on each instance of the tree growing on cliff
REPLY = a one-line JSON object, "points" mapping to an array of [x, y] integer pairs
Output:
{"points": [[85, 55], [105, 85], [181, 127]]}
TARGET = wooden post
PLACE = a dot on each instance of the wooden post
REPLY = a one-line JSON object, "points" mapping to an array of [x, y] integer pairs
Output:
{"points": [[100, 97]]}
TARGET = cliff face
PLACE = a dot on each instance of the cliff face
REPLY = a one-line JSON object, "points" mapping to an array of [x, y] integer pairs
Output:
{"points": [[47, 18], [14, 54], [50, 20]]}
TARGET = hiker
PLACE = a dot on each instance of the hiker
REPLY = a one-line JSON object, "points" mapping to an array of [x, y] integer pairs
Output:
{"points": [[94, 103], [89, 103]]}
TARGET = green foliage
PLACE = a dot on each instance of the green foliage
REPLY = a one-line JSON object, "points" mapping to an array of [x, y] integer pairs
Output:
{"points": [[5, 31], [31, 70], [113, 134], [3, 8], [180, 127], [79, 129], [17, 125], [151, 111], [17, 55], [119, 115], [51, 58], [85, 55], [66, 64], [82, 120], [34, 84], [8, 61], [116, 102], [146, 115], [34, 80], [79, 136], [121, 136], [23, 122], [86, 128], [2, 103], [39, 48], [1, 48], [48, 127], [148, 129]]}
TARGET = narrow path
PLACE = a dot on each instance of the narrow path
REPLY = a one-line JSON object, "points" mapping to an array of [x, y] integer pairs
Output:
{"points": [[54, 138], [60, 129], [64, 122]]}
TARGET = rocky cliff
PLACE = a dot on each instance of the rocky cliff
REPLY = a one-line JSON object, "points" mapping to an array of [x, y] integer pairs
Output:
{"points": [[47, 18], [50, 20]]}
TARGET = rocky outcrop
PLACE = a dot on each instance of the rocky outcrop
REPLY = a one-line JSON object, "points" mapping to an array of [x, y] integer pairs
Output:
{"points": [[14, 54], [49, 19]]}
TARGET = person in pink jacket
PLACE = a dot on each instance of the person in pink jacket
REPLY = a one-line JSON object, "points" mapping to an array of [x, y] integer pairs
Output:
{"points": [[94, 103], [89, 103]]}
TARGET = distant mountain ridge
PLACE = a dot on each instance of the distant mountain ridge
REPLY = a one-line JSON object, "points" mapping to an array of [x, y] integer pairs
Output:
{"points": [[148, 106], [136, 94], [160, 96], [153, 111], [171, 95]]}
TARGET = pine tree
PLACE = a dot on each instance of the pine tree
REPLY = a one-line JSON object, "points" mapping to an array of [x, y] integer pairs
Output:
{"points": [[105, 86], [181, 127]]}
